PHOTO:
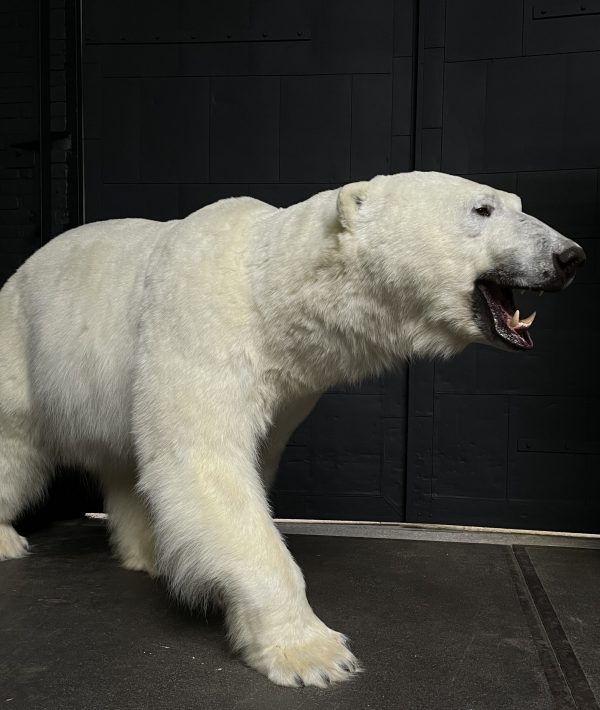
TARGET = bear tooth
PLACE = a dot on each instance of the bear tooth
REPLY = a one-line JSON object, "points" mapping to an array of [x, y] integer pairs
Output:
{"points": [[528, 321], [514, 321]]}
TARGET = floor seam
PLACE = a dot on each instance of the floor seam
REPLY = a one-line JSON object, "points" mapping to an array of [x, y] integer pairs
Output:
{"points": [[557, 683], [572, 674]]}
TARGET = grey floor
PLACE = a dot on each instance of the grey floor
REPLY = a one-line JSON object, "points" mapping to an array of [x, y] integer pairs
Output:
{"points": [[437, 625]]}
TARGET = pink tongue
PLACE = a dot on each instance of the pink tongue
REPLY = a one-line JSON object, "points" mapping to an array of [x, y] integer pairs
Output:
{"points": [[499, 310]]}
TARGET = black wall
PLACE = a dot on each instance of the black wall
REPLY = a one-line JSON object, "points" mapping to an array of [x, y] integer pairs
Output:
{"points": [[509, 95], [19, 123], [185, 103], [39, 162]]}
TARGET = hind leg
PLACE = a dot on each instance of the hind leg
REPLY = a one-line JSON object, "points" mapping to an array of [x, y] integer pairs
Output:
{"points": [[24, 470], [23, 480], [285, 423], [129, 524]]}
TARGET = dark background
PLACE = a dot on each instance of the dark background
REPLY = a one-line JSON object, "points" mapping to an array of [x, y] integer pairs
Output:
{"points": [[156, 108]]}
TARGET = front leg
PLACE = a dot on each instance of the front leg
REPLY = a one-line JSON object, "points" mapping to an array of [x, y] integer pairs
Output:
{"points": [[214, 532]]}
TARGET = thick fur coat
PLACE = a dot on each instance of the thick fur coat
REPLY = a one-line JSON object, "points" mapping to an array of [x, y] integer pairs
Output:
{"points": [[173, 360]]}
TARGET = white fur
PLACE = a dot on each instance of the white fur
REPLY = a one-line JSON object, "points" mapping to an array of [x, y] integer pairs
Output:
{"points": [[174, 359]]}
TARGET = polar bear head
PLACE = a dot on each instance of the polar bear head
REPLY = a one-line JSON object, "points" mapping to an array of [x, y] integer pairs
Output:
{"points": [[451, 251]]}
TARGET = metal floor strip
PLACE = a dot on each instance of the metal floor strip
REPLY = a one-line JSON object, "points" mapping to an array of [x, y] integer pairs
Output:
{"points": [[574, 676], [557, 683], [436, 533]]}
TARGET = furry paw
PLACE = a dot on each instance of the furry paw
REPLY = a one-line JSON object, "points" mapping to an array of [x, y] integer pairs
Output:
{"points": [[319, 657], [12, 545]]}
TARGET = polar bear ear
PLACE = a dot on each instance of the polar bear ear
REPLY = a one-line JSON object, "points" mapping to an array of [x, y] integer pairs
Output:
{"points": [[349, 202], [513, 201]]}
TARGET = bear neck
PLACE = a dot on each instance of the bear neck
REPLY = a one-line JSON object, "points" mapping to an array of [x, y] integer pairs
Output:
{"points": [[323, 318]]}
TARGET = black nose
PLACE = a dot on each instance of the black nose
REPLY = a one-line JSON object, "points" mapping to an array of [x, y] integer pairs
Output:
{"points": [[567, 261]]}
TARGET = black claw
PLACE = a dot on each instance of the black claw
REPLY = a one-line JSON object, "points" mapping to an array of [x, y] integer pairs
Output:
{"points": [[298, 680], [326, 678], [344, 667]]}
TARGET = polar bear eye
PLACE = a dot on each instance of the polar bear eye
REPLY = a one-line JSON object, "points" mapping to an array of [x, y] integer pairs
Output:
{"points": [[485, 211]]}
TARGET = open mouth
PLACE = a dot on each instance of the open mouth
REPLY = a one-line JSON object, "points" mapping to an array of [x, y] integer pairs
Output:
{"points": [[502, 317]]}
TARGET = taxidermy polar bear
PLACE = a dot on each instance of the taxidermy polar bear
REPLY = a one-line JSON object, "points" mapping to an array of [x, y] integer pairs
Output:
{"points": [[173, 360]]}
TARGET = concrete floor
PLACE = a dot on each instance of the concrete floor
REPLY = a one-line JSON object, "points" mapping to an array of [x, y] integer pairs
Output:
{"points": [[437, 625]]}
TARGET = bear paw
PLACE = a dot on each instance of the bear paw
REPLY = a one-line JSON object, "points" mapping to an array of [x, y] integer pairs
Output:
{"points": [[322, 657], [12, 545]]}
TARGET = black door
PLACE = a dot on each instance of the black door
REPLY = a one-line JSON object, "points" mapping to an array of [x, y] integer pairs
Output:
{"points": [[510, 96], [186, 103]]}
